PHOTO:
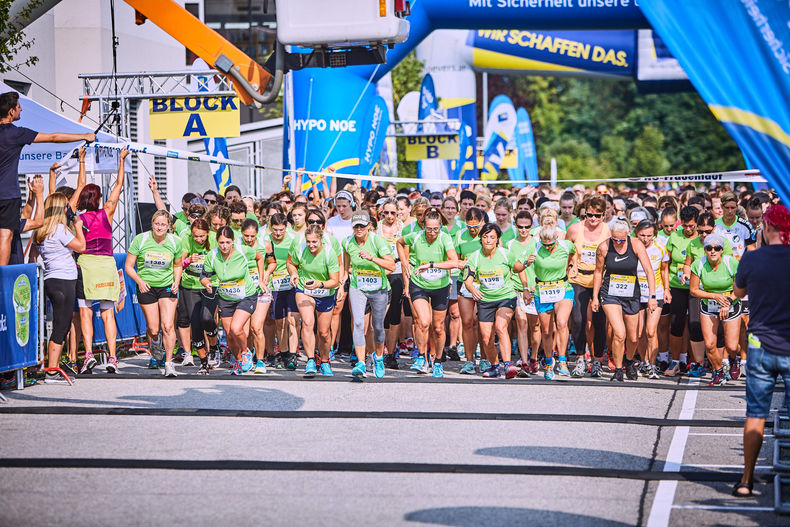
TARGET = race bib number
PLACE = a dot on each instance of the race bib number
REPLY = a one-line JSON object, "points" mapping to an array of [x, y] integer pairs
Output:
{"points": [[197, 267], [317, 293], [644, 288], [369, 280], [255, 277], [622, 285], [157, 260], [233, 289], [492, 279], [587, 254], [551, 292], [680, 277], [713, 307], [281, 281], [432, 274]]}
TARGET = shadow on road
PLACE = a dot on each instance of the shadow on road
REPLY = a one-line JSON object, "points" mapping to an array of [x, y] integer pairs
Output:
{"points": [[476, 516], [584, 457]]}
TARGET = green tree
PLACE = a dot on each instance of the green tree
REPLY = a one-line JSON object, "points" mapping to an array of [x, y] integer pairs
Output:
{"points": [[12, 35], [648, 154], [406, 77]]}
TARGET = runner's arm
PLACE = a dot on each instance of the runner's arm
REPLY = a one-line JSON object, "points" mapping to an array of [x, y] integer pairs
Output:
{"points": [[112, 200]]}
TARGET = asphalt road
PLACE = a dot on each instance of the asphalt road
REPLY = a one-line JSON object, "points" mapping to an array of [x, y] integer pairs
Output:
{"points": [[139, 449]]}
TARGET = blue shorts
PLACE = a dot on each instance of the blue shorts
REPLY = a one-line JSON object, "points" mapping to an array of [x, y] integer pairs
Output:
{"points": [[762, 369], [545, 308], [283, 302], [323, 304]]}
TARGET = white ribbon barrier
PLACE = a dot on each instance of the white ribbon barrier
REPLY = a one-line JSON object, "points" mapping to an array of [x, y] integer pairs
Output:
{"points": [[741, 176]]}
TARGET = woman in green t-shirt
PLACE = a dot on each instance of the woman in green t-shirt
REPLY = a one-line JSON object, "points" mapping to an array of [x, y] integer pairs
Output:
{"points": [[284, 310], [154, 253], [712, 278], [490, 281], [198, 305], [250, 238], [466, 242], [227, 268], [315, 273], [368, 258], [427, 257]]}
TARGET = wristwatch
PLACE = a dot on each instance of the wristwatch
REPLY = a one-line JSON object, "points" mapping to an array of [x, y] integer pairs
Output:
{"points": [[653, 297], [431, 265]]}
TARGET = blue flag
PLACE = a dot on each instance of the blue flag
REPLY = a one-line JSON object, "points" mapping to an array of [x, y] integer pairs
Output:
{"points": [[371, 138], [525, 144], [738, 58]]}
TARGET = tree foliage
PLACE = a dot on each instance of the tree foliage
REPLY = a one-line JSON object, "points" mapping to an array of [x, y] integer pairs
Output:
{"points": [[12, 36], [406, 77]]}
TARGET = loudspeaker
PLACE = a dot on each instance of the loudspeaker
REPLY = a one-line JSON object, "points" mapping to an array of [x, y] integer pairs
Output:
{"points": [[144, 213]]}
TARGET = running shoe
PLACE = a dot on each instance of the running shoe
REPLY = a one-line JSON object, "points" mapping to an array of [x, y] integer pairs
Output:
{"points": [[418, 363], [653, 374], [662, 366], [88, 364], [696, 370], [157, 350], [409, 343], [718, 378], [213, 358], [618, 375], [725, 366], [452, 354], [390, 361], [203, 370], [309, 369], [170, 370], [492, 372], [534, 366], [153, 364], [379, 368], [735, 370], [510, 370], [260, 367], [683, 367], [644, 367], [52, 378], [290, 362], [548, 369], [523, 371], [332, 353], [461, 352], [414, 353], [423, 366], [236, 368], [188, 360], [597, 369], [179, 354], [246, 361], [70, 367], [611, 363], [352, 359], [112, 365], [359, 371], [438, 370], [562, 368], [631, 372], [468, 368], [743, 369], [673, 370], [484, 365], [326, 369], [580, 369]]}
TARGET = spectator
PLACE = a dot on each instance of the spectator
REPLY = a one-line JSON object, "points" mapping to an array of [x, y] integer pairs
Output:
{"points": [[12, 139]]}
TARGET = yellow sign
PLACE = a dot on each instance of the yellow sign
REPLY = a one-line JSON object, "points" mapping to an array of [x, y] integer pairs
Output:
{"points": [[194, 117], [419, 147], [510, 161]]}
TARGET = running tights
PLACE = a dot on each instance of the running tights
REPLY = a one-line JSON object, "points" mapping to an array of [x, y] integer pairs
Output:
{"points": [[197, 312], [61, 294], [579, 316], [378, 305], [682, 304]]}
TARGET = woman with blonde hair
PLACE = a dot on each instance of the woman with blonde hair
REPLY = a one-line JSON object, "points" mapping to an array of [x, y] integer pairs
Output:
{"points": [[55, 243]]}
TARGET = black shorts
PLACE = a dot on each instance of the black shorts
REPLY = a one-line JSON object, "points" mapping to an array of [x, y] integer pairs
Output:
{"points": [[154, 294], [437, 298], [228, 307], [630, 306], [283, 302], [396, 303], [736, 310], [10, 214], [745, 304], [486, 311], [80, 285]]}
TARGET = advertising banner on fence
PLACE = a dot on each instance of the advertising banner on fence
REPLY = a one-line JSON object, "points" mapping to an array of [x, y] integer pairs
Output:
{"points": [[18, 316], [372, 135], [525, 146], [739, 61], [194, 117]]}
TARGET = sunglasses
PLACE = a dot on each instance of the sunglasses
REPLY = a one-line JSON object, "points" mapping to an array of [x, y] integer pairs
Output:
{"points": [[523, 226], [315, 222], [619, 240], [388, 212], [432, 229], [714, 248], [209, 201], [705, 231], [594, 215]]}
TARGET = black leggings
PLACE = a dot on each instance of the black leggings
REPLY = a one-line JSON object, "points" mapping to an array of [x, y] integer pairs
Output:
{"points": [[579, 316], [199, 310], [682, 304], [396, 303], [61, 294]]}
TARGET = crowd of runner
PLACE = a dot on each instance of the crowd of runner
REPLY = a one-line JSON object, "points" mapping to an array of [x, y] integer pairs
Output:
{"points": [[500, 282]]}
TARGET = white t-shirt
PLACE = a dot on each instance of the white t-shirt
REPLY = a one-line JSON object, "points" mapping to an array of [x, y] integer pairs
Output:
{"points": [[340, 228], [58, 262]]}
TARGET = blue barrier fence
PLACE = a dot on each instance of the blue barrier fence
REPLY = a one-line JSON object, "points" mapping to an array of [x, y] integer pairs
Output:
{"points": [[19, 316], [130, 319]]}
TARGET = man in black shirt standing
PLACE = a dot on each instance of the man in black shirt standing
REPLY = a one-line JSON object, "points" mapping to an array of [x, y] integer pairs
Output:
{"points": [[12, 140], [762, 274]]}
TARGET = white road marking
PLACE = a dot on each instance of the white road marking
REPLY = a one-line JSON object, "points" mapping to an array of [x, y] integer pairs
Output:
{"points": [[665, 494], [739, 467], [724, 508]]}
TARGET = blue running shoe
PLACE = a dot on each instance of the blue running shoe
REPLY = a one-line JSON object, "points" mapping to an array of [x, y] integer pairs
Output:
{"points": [[326, 369], [246, 361], [484, 365], [153, 364], [697, 370], [492, 372], [378, 366], [418, 362], [161, 363], [332, 353], [353, 358], [310, 369], [548, 369], [359, 371], [423, 366], [415, 353], [438, 370], [236, 370], [563, 368], [468, 368], [260, 367]]}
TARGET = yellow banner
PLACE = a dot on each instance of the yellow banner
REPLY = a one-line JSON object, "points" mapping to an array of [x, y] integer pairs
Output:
{"points": [[419, 147], [510, 161], [194, 117]]}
